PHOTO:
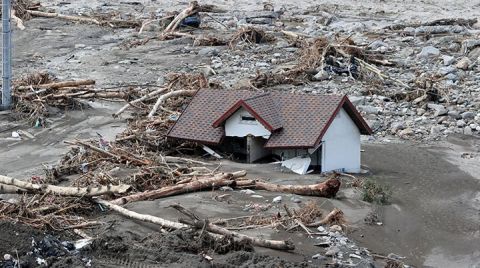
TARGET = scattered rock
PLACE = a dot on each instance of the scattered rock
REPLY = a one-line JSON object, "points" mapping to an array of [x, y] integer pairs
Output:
{"points": [[468, 115], [467, 131], [335, 228], [439, 109], [226, 188], [208, 51], [448, 60], [429, 52], [277, 199], [247, 192], [464, 63]]}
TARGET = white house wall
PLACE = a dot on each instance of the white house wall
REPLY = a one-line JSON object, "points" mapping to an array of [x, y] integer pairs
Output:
{"points": [[236, 127], [341, 145]]}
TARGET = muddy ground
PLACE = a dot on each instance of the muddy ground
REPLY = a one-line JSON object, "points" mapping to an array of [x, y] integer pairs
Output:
{"points": [[434, 216]]}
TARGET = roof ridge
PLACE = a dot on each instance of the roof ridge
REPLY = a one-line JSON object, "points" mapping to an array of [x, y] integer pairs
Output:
{"points": [[257, 96]]}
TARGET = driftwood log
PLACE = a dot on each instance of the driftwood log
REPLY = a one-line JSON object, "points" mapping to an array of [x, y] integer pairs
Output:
{"points": [[194, 186], [193, 8], [196, 223], [61, 16], [163, 98], [65, 191], [59, 85], [145, 97], [333, 216], [328, 188], [204, 224], [142, 217]]}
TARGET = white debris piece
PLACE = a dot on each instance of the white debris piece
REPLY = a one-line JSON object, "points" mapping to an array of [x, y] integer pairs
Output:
{"points": [[82, 243], [41, 261], [277, 199], [211, 152], [247, 192], [298, 165]]}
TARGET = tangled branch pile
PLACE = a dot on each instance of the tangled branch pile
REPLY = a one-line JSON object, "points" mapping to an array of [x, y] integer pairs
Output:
{"points": [[250, 35], [35, 94], [320, 58], [47, 210]]}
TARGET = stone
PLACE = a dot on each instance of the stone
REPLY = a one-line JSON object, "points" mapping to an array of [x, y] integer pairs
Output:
{"points": [[429, 52], [80, 45], [377, 44], [320, 76], [226, 188], [318, 257], [295, 199], [369, 109], [335, 228], [447, 70], [356, 100], [332, 251], [7, 257], [439, 109], [447, 60], [406, 132], [321, 229], [454, 114], [208, 51], [452, 77], [396, 126], [436, 130], [468, 115], [464, 63], [256, 196], [277, 199], [262, 64], [461, 123], [467, 130], [247, 192]]}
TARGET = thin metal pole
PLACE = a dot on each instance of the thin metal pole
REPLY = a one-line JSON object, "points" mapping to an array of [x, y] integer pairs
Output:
{"points": [[6, 56]]}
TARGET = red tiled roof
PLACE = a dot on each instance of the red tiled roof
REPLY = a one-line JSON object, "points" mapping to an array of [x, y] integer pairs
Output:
{"points": [[262, 107], [300, 120]]}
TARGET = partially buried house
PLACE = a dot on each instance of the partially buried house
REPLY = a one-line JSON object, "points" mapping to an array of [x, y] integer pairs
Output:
{"points": [[324, 128]]}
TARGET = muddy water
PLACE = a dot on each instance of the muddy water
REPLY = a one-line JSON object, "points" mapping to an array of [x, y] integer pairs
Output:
{"points": [[434, 219]]}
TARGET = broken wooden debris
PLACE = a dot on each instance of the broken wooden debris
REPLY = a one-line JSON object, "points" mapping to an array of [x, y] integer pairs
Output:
{"points": [[328, 188], [199, 224], [63, 190]]}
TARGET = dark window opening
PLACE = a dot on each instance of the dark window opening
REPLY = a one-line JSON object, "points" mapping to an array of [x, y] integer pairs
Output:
{"points": [[248, 118]]}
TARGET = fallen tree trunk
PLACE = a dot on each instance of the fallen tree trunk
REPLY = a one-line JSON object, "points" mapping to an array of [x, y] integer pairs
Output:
{"points": [[65, 191], [9, 189], [199, 224], [146, 97], [194, 186], [273, 244], [335, 216], [165, 97], [60, 84], [141, 217], [193, 8], [119, 158], [61, 16], [17, 20], [328, 188]]}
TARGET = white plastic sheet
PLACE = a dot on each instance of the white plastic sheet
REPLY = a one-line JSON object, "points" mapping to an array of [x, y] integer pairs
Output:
{"points": [[298, 165]]}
